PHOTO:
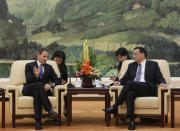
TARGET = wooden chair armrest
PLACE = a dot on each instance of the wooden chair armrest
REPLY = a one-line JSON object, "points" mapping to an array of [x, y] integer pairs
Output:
{"points": [[114, 91]]}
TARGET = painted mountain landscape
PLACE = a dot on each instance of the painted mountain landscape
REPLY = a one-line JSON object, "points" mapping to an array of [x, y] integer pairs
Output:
{"points": [[26, 25]]}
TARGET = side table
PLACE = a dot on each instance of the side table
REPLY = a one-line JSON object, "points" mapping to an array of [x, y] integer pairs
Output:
{"points": [[76, 91], [174, 93]]}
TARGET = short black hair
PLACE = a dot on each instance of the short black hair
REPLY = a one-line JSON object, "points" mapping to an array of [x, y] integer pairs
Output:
{"points": [[59, 54], [40, 50], [122, 52], [142, 50]]}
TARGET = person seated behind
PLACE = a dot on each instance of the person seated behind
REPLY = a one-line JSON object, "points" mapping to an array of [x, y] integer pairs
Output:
{"points": [[60, 58], [38, 74], [140, 79], [122, 55]]}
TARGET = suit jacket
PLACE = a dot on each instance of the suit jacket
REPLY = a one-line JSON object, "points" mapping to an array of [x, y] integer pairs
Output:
{"points": [[49, 75], [153, 75]]}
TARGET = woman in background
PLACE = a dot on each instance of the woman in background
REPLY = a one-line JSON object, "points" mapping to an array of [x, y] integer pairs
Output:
{"points": [[122, 55], [60, 58]]}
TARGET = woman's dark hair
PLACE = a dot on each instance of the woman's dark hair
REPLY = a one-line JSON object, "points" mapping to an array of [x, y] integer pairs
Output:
{"points": [[62, 66], [59, 54], [122, 52]]}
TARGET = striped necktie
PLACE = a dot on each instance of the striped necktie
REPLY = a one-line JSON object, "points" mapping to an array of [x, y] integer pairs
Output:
{"points": [[138, 75], [41, 72]]}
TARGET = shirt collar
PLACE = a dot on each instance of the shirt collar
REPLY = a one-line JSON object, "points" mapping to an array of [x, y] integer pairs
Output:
{"points": [[143, 62], [38, 63]]}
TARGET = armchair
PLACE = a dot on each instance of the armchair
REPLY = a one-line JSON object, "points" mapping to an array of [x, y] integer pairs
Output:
{"points": [[146, 107], [22, 106]]}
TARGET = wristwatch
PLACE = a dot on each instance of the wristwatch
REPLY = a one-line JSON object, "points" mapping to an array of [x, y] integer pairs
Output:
{"points": [[52, 85]]}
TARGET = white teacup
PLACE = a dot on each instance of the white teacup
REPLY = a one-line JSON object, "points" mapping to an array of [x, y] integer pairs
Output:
{"points": [[78, 83], [98, 83]]}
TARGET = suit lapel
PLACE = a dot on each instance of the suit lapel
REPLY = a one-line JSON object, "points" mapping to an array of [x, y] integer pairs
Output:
{"points": [[45, 71], [35, 64], [135, 70], [146, 70]]}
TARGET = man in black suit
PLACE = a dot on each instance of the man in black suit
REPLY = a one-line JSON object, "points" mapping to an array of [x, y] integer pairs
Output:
{"points": [[38, 75], [140, 79]]}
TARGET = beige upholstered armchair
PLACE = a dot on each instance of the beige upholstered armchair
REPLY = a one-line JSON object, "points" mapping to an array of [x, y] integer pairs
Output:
{"points": [[22, 106], [146, 107]]}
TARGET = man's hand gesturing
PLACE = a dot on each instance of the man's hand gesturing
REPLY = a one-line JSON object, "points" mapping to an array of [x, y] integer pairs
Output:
{"points": [[36, 71]]}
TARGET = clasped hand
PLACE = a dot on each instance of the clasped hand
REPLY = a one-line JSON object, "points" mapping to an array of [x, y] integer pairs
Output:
{"points": [[47, 87]]}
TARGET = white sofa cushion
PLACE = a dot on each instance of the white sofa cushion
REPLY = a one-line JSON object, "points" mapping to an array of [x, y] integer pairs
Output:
{"points": [[17, 75], [163, 65], [27, 102], [145, 103]]}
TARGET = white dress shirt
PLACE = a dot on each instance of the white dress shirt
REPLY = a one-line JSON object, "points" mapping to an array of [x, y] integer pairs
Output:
{"points": [[39, 65], [143, 65]]}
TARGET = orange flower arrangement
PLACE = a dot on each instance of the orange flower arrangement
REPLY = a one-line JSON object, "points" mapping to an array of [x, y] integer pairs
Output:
{"points": [[86, 68]]}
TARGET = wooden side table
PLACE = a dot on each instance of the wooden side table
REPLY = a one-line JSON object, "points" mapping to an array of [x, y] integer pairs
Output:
{"points": [[174, 92], [76, 91], [2, 93]]}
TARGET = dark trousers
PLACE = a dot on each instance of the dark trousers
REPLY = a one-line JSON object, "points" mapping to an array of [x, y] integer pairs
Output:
{"points": [[130, 91], [40, 98]]}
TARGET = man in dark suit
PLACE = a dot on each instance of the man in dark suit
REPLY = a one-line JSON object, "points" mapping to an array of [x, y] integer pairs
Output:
{"points": [[140, 79], [38, 75]]}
